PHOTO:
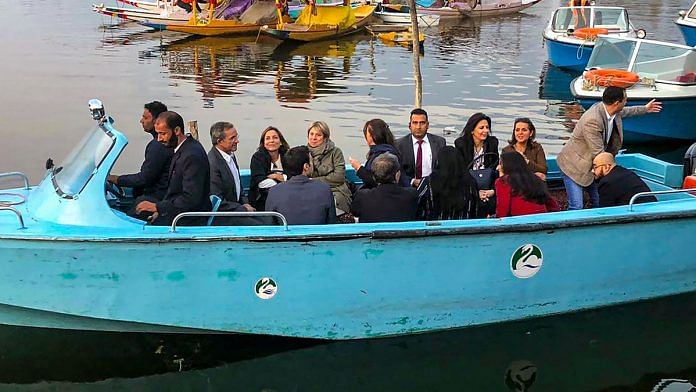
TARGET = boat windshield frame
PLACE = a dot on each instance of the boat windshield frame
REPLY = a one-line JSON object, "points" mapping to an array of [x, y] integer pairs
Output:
{"points": [[78, 169], [592, 16], [692, 12], [632, 60]]}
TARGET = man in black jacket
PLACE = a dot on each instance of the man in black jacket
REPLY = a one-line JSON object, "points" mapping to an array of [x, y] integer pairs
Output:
{"points": [[225, 180], [151, 181], [420, 149], [189, 175], [617, 185], [388, 202]]}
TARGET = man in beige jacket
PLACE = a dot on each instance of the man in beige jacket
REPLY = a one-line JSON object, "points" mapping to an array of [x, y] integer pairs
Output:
{"points": [[599, 129]]}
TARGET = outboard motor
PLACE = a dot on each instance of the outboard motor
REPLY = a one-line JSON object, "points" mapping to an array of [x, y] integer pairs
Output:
{"points": [[96, 107]]}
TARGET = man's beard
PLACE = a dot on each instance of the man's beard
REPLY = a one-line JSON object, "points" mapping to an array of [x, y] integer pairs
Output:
{"points": [[172, 142]]}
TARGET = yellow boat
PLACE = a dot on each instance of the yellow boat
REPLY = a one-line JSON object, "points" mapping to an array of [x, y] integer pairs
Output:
{"points": [[214, 26], [400, 38], [319, 23]]}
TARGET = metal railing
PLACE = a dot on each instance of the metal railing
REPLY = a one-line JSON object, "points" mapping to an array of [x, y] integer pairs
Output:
{"points": [[230, 214], [17, 174], [653, 193], [19, 215]]}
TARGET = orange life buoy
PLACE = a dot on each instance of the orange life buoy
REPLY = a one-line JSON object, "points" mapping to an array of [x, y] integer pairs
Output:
{"points": [[611, 77], [589, 33]]}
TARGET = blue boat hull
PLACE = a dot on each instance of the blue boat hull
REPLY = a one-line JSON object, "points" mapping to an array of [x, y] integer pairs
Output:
{"points": [[351, 287], [675, 121], [568, 56], [689, 34]]}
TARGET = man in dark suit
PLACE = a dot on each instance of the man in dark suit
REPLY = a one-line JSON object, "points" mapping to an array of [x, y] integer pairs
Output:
{"points": [[388, 202], [189, 175], [617, 185], [225, 181], [151, 181], [301, 200], [419, 150]]}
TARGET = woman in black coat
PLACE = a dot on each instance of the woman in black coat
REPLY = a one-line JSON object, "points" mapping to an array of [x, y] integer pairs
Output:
{"points": [[480, 151], [266, 166]]}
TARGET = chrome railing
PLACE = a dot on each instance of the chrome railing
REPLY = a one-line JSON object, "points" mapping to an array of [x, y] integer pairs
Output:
{"points": [[19, 215], [228, 214], [17, 174], [654, 193]]}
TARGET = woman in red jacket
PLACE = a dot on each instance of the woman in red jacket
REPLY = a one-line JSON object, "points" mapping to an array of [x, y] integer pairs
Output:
{"points": [[519, 191]]}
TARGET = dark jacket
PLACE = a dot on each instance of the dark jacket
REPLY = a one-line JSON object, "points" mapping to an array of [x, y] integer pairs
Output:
{"points": [[222, 183], [260, 168], [408, 159], [617, 188], [465, 145], [189, 185], [302, 201], [153, 177], [386, 203], [365, 171]]}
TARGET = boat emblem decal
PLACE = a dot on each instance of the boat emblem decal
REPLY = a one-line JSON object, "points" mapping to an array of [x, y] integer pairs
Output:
{"points": [[266, 288], [526, 261]]}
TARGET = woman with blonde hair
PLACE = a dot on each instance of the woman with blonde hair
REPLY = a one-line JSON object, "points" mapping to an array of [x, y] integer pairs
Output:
{"points": [[328, 164]]}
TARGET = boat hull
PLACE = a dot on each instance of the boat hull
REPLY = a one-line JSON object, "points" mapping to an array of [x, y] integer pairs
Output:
{"points": [[347, 288], [569, 56], [498, 9], [403, 18], [217, 27], [293, 32], [688, 31]]}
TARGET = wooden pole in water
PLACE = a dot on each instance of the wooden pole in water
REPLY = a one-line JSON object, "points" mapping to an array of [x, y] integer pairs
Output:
{"points": [[415, 33]]}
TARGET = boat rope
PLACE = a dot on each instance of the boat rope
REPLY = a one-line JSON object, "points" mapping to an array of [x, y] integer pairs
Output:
{"points": [[7, 203], [578, 55]]}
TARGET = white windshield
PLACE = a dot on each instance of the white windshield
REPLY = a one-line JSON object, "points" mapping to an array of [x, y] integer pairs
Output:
{"points": [[612, 53], [82, 162], [666, 63], [612, 19]]}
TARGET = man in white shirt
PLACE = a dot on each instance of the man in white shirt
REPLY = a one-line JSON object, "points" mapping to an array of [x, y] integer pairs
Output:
{"points": [[599, 129], [420, 149], [225, 181]]}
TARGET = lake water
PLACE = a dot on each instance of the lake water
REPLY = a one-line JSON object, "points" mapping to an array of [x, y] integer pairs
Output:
{"points": [[58, 54]]}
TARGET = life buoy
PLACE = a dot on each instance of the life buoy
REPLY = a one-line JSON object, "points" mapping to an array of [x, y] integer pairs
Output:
{"points": [[589, 33], [611, 77]]}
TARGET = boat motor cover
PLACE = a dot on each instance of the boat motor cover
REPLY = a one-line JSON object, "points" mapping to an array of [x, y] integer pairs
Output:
{"points": [[341, 16]]}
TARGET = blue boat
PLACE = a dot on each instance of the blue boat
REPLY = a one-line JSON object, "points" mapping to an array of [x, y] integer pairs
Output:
{"points": [[70, 259], [667, 73], [687, 25], [570, 34]]}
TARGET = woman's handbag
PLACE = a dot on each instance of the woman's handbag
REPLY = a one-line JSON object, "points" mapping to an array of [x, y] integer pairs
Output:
{"points": [[484, 177]]}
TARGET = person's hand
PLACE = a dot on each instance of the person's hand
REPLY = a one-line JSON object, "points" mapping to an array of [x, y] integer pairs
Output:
{"points": [[146, 206], [416, 182], [248, 207], [355, 163], [653, 106], [484, 194], [540, 175], [112, 179], [277, 176]]}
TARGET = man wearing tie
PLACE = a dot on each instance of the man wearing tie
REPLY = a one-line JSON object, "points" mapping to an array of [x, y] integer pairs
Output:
{"points": [[419, 150], [599, 129], [225, 181]]}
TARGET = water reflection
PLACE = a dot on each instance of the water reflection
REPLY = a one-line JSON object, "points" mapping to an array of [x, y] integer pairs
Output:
{"points": [[628, 348]]}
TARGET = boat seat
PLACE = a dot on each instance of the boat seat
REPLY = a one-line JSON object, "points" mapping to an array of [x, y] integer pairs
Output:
{"points": [[215, 200], [688, 78]]}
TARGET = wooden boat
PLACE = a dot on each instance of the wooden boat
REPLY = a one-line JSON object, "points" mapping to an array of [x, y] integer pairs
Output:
{"points": [[571, 33], [687, 25], [399, 14], [400, 38], [659, 70], [329, 22], [69, 259], [484, 8], [147, 5], [212, 26]]}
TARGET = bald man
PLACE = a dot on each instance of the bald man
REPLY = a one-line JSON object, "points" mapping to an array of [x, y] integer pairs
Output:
{"points": [[617, 184]]}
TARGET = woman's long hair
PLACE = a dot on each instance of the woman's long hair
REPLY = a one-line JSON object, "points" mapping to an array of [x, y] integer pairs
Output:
{"points": [[522, 181], [380, 132], [471, 124], [450, 181], [529, 123], [284, 146]]}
